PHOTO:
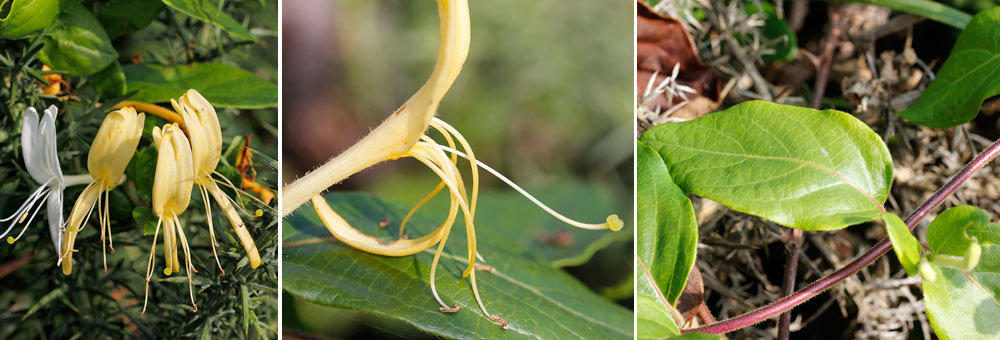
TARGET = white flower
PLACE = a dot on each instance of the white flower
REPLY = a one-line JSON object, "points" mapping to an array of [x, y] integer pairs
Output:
{"points": [[38, 145]]}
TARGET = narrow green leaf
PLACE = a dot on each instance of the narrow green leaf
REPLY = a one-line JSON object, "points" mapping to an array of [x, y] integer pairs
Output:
{"points": [[535, 299], [42, 302], [667, 233], [126, 16], [905, 245], [110, 82], [799, 167], [207, 11], [222, 85], [949, 232], [653, 319], [246, 309], [19, 18], [76, 42], [969, 76], [926, 8], [965, 305]]}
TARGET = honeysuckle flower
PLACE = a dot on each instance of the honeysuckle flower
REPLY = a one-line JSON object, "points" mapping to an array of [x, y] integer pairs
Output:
{"points": [[110, 152], [38, 147], [206, 145], [404, 134], [172, 186]]}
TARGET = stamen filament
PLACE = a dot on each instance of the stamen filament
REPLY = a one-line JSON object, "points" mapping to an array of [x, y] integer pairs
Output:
{"points": [[211, 227], [14, 239], [151, 264], [613, 222]]}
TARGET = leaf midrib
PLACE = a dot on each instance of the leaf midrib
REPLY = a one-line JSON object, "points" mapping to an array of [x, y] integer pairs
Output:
{"points": [[794, 160]]}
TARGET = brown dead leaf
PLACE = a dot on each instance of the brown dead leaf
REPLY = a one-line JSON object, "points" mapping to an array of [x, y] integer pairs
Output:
{"points": [[244, 165], [661, 44], [692, 297]]}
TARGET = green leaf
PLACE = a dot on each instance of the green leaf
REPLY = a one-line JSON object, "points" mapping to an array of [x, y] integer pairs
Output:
{"points": [[19, 18], [906, 246], [965, 305], [949, 232], [126, 16], [76, 42], [146, 219], [925, 8], [969, 76], [110, 82], [535, 299], [799, 167], [653, 318], [207, 11], [776, 29], [667, 233], [142, 168], [222, 85]]}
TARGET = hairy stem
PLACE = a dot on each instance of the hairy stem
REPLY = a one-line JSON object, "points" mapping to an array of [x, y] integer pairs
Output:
{"points": [[864, 260]]}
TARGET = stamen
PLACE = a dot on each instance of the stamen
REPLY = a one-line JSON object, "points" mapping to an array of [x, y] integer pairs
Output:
{"points": [[11, 240], [613, 222], [150, 264], [187, 261], [27, 203], [211, 227]]}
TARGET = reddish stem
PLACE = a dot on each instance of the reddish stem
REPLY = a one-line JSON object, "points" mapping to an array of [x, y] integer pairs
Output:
{"points": [[864, 260]]}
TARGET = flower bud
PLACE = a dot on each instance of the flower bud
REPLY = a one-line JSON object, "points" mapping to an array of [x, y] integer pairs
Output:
{"points": [[114, 146]]}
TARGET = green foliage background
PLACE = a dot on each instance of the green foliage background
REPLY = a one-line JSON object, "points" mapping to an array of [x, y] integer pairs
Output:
{"points": [[38, 301]]}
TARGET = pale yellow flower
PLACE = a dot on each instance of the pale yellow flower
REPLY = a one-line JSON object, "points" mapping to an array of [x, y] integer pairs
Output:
{"points": [[109, 154], [206, 146], [172, 186]]}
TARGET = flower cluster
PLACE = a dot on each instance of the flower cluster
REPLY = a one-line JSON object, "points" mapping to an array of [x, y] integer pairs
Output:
{"points": [[189, 149]]}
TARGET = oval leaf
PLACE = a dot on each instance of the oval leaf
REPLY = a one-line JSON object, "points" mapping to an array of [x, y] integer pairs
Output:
{"points": [[966, 305], [949, 232], [969, 76], [26, 16], [126, 16], [207, 11], [667, 233], [535, 299], [222, 85], [76, 42], [799, 167], [905, 245]]}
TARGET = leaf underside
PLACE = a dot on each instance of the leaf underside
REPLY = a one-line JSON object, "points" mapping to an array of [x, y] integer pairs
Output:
{"points": [[534, 298]]}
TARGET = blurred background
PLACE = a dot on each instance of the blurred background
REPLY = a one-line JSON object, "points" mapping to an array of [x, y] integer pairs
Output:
{"points": [[545, 97]]}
